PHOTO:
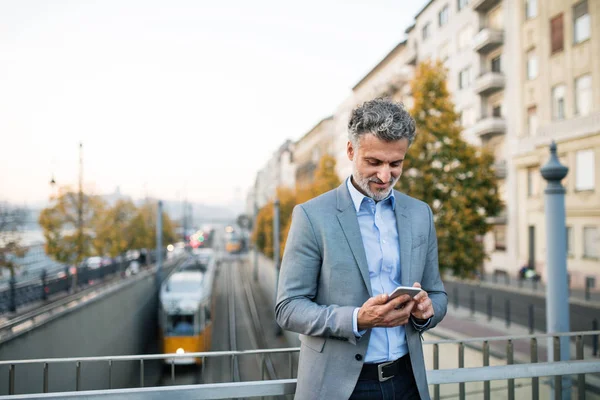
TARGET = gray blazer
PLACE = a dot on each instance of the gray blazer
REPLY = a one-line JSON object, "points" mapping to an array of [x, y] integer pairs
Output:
{"points": [[325, 275]]}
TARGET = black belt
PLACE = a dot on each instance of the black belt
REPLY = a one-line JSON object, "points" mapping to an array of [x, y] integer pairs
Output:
{"points": [[384, 371]]}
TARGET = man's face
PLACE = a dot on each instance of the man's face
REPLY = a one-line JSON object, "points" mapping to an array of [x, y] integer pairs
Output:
{"points": [[377, 164]]}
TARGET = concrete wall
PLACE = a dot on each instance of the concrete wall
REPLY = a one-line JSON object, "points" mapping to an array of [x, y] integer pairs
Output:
{"points": [[119, 323]]}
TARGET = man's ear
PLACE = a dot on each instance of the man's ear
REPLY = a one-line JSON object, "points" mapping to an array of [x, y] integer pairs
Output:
{"points": [[350, 151]]}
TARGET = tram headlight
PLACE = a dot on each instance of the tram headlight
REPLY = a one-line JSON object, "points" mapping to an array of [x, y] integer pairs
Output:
{"points": [[180, 351]]}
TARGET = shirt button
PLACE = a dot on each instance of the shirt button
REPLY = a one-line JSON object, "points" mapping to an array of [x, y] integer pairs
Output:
{"points": [[358, 357]]}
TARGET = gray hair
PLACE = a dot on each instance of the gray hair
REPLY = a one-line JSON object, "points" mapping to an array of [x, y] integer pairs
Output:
{"points": [[386, 119]]}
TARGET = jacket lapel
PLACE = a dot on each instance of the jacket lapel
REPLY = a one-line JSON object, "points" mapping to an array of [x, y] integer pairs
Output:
{"points": [[349, 224], [405, 238]]}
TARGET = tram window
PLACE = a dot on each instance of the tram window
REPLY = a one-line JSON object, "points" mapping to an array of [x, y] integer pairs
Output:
{"points": [[197, 267], [181, 325]]}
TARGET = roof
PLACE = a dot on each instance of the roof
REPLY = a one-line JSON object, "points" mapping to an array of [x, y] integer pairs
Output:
{"points": [[328, 118], [392, 53]]}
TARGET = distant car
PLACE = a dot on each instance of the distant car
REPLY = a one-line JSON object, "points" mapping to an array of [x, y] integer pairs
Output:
{"points": [[94, 262]]}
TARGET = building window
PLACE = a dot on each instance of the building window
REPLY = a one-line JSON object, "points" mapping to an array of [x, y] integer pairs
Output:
{"points": [[584, 170], [462, 4], [500, 237], [530, 182], [497, 111], [530, 9], [426, 31], [583, 95], [532, 65], [581, 22], [556, 34], [591, 242], [558, 102], [464, 78], [464, 37], [569, 241], [443, 16], [531, 120], [496, 66]]}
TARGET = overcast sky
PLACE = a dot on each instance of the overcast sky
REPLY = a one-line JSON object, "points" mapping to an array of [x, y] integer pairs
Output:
{"points": [[174, 98]]}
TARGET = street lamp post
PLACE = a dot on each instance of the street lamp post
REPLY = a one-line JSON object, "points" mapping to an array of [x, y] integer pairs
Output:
{"points": [[557, 291], [276, 253]]}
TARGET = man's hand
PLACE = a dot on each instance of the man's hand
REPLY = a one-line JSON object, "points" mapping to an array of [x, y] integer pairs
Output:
{"points": [[423, 309], [377, 312]]}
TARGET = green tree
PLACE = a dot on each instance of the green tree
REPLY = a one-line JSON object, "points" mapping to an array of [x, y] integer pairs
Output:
{"points": [[454, 177], [12, 220], [66, 240]]}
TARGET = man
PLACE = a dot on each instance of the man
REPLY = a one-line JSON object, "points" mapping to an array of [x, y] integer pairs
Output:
{"points": [[346, 251]]}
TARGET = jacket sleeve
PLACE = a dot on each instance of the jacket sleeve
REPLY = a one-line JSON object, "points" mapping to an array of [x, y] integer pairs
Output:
{"points": [[431, 280], [296, 309]]}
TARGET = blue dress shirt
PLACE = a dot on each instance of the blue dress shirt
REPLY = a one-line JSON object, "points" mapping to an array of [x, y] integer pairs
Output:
{"points": [[377, 222]]}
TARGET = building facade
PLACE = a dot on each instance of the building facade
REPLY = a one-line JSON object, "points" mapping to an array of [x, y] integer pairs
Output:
{"points": [[309, 149], [559, 61]]}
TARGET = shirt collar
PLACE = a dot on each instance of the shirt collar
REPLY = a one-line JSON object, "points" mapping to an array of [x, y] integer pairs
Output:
{"points": [[358, 197]]}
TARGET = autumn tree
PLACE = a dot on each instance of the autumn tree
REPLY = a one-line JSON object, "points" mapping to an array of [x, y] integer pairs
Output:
{"points": [[12, 220], [263, 229], [114, 235], [69, 238], [142, 228], [325, 180], [454, 177]]}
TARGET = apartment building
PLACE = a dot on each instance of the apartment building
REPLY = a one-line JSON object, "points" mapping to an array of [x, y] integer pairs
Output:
{"points": [[559, 61], [280, 171], [389, 78], [309, 149], [472, 38]]}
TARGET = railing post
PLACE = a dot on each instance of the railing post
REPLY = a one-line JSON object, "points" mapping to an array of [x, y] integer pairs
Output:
{"points": [[455, 297], [44, 285], [531, 319], [557, 379], [78, 376], [594, 338], [45, 386], [12, 301], [486, 363], [557, 296], [472, 302], [580, 377], [510, 361], [535, 381], [461, 364], [11, 379], [436, 365], [142, 372]]}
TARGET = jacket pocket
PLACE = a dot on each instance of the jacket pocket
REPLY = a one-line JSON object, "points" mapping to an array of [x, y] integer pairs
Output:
{"points": [[315, 343]]}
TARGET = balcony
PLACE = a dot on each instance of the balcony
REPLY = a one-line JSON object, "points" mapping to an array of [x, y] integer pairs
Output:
{"points": [[568, 128], [489, 83], [484, 5], [489, 126], [488, 40]]}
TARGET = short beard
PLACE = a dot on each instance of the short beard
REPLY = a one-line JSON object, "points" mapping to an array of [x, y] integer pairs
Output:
{"points": [[363, 183]]}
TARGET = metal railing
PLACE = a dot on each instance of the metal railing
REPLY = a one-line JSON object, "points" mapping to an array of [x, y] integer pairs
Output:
{"points": [[518, 365]]}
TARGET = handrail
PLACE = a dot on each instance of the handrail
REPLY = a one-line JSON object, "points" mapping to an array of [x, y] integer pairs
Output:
{"points": [[209, 354], [288, 386]]}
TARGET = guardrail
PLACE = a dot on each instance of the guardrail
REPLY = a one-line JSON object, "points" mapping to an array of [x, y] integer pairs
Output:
{"points": [[512, 370], [46, 312], [17, 295]]}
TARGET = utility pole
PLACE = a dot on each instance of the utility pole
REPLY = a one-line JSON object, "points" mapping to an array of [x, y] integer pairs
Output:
{"points": [[276, 254], [79, 218], [159, 243]]}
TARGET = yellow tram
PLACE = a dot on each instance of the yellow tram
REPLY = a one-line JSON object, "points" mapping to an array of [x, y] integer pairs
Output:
{"points": [[186, 309]]}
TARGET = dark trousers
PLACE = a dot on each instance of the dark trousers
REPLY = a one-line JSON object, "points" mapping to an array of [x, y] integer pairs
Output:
{"points": [[399, 387]]}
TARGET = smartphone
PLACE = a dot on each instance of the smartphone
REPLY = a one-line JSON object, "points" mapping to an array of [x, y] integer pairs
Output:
{"points": [[400, 290]]}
